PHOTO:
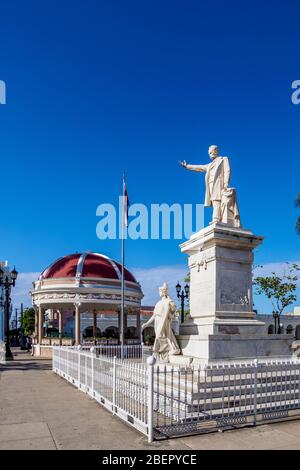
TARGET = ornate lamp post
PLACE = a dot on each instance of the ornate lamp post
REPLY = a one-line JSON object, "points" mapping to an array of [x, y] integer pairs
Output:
{"points": [[182, 294], [7, 280]]}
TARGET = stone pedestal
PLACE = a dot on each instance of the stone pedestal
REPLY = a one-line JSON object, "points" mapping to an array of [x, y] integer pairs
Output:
{"points": [[222, 324]]}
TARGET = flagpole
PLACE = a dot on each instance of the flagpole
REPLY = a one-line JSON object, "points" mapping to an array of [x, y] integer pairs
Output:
{"points": [[122, 322]]}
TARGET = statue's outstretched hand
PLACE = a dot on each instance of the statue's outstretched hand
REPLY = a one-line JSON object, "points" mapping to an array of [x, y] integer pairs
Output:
{"points": [[184, 163]]}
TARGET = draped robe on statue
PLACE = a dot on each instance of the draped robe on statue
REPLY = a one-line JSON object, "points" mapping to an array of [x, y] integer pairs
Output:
{"points": [[165, 343], [229, 208]]}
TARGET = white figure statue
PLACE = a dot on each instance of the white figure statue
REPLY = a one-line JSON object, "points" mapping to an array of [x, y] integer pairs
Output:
{"points": [[165, 343], [218, 194]]}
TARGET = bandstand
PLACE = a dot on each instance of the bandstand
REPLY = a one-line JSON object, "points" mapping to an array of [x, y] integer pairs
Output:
{"points": [[80, 284]]}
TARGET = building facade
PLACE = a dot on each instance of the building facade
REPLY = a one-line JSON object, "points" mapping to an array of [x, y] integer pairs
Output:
{"points": [[289, 322]]}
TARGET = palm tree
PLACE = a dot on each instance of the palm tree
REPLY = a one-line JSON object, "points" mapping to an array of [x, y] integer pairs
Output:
{"points": [[297, 204]]}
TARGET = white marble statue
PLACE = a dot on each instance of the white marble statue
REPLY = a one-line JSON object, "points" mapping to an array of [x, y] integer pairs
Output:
{"points": [[165, 343], [218, 193]]}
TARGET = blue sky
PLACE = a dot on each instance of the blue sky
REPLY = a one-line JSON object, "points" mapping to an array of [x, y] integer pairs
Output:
{"points": [[97, 88]]}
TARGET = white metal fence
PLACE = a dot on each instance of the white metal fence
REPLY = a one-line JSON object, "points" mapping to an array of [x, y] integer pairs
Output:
{"points": [[164, 401], [119, 385], [223, 396], [128, 351]]}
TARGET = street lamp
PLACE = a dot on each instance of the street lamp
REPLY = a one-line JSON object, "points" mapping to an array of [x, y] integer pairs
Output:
{"points": [[276, 320], [7, 280], [182, 294], [2, 319]]}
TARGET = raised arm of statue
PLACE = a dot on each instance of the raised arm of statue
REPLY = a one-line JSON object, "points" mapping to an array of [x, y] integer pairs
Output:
{"points": [[226, 171], [148, 323], [202, 168]]}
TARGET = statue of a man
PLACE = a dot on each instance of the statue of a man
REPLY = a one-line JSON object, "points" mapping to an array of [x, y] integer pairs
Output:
{"points": [[218, 194], [165, 343]]}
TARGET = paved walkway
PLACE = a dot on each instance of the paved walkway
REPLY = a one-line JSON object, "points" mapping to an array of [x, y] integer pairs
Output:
{"points": [[39, 410]]}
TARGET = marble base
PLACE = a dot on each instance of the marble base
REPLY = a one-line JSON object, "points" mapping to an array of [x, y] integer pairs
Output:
{"points": [[220, 260], [222, 325], [238, 348], [215, 326], [181, 361], [42, 351]]}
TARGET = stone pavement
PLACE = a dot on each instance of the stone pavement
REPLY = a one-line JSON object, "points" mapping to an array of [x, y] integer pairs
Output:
{"points": [[39, 410]]}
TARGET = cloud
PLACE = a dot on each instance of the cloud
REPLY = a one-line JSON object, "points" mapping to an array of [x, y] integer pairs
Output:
{"points": [[149, 278], [279, 268], [152, 278], [20, 293]]}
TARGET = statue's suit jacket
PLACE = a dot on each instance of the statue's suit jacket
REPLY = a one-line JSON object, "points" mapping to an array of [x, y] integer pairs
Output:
{"points": [[220, 179]]}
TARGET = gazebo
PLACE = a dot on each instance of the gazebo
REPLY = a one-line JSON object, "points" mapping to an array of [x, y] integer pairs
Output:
{"points": [[82, 283]]}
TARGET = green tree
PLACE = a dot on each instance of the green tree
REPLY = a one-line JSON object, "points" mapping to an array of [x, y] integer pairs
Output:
{"points": [[280, 290], [28, 321], [297, 204]]}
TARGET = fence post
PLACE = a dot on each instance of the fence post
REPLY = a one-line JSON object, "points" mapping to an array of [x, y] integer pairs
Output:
{"points": [[78, 349], [114, 385], [92, 350], [85, 372], [255, 392], [59, 362], [150, 363]]}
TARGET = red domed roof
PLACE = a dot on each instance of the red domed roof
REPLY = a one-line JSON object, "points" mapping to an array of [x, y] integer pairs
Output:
{"points": [[93, 265]]}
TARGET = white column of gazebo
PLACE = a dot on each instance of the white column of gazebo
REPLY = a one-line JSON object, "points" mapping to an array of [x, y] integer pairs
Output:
{"points": [[77, 339]]}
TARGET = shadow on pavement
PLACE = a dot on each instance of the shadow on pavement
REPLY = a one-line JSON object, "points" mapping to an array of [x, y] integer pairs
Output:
{"points": [[22, 366], [24, 361]]}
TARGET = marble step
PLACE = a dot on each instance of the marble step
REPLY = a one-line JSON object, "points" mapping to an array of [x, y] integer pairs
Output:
{"points": [[234, 405], [183, 397], [191, 386], [218, 415], [180, 361]]}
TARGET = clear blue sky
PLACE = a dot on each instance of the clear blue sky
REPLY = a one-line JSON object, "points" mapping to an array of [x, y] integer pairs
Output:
{"points": [[95, 88]]}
